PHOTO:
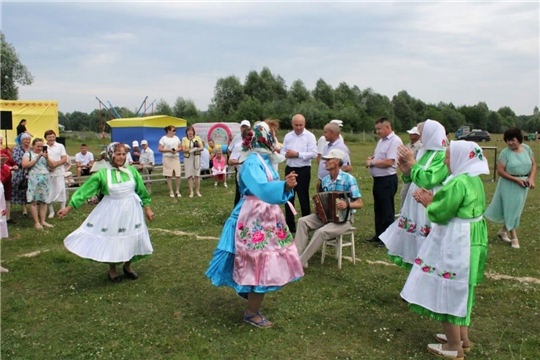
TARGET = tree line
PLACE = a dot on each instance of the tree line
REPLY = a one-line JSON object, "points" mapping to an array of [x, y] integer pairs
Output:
{"points": [[265, 95]]}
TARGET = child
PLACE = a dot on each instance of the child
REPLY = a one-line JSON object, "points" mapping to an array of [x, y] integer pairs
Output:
{"points": [[219, 168]]}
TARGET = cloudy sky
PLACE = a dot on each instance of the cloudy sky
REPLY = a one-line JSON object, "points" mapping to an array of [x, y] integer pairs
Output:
{"points": [[459, 52]]}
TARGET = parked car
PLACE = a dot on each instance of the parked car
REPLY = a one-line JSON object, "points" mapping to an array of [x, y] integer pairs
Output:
{"points": [[477, 135]]}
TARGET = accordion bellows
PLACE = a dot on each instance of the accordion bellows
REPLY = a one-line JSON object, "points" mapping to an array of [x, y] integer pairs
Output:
{"points": [[326, 206]]}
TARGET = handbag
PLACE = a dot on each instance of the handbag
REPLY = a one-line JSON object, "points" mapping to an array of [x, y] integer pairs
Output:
{"points": [[23, 184]]}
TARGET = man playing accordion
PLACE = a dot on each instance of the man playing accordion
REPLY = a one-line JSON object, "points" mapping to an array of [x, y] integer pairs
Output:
{"points": [[337, 180]]}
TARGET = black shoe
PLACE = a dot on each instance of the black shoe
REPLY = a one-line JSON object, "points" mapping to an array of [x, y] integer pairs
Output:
{"points": [[11, 222], [131, 275], [25, 214], [243, 295], [116, 279], [380, 244], [373, 239]]}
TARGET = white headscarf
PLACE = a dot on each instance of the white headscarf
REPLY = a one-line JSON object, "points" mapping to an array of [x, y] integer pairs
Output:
{"points": [[433, 137], [466, 157]]}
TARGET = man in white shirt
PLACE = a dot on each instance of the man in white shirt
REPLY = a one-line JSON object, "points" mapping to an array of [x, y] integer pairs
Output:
{"points": [[299, 147], [322, 143], [205, 160], [233, 152], [146, 164], [84, 161], [57, 153]]}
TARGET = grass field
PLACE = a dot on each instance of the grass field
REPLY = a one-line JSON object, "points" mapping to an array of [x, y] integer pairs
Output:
{"points": [[58, 306]]}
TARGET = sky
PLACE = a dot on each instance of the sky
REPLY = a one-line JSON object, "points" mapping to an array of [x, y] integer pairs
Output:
{"points": [[458, 52]]}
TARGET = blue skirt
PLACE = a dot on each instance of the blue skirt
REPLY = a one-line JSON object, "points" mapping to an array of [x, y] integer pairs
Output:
{"points": [[220, 271]]}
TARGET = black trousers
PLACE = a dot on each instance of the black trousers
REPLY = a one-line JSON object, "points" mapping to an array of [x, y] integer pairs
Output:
{"points": [[302, 191], [384, 191], [237, 188]]}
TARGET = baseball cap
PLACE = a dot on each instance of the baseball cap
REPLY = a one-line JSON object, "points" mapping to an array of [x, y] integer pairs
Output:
{"points": [[135, 143], [144, 142], [338, 122], [414, 131], [334, 154], [245, 123]]}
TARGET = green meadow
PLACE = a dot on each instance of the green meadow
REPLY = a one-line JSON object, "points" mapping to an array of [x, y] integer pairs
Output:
{"points": [[56, 305]]}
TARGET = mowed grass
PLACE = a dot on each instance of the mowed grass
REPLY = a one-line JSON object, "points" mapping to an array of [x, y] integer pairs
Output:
{"points": [[58, 306]]}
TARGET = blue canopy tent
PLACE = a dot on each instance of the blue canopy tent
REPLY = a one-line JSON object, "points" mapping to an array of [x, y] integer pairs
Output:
{"points": [[150, 128]]}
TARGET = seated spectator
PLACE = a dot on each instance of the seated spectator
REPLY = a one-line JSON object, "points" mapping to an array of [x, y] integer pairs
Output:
{"points": [[129, 159], [135, 152], [219, 168], [337, 180], [205, 161], [146, 164], [68, 175], [84, 161]]}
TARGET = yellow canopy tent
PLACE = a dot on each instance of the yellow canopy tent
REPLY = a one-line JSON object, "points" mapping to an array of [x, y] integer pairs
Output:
{"points": [[40, 115]]}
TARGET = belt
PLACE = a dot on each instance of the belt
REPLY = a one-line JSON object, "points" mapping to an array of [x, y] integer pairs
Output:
{"points": [[527, 175]]}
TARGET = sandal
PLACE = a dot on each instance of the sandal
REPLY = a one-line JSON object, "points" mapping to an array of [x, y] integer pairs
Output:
{"points": [[515, 243], [178, 194], [171, 195], [442, 339], [503, 236], [264, 323], [436, 349], [44, 224], [38, 226]]}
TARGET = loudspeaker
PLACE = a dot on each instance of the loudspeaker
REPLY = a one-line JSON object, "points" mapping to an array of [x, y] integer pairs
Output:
{"points": [[61, 140], [6, 120]]}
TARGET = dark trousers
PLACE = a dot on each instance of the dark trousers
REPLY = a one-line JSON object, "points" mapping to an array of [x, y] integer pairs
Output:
{"points": [[237, 193], [384, 191], [302, 191]]}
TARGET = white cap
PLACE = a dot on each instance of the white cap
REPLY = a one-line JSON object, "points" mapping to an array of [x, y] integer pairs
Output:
{"points": [[144, 142], [334, 154], [135, 143], [245, 123], [414, 131], [338, 122], [126, 145]]}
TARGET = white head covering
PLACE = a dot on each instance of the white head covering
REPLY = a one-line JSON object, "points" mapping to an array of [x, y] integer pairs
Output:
{"points": [[433, 137], [466, 157]]}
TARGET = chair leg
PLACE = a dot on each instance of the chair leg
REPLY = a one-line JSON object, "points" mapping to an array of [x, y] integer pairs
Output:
{"points": [[323, 252], [339, 249], [353, 252]]}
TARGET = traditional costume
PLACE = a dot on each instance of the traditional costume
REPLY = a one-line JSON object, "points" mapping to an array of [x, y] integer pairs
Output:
{"points": [[406, 235], [451, 261], [256, 252], [115, 231]]}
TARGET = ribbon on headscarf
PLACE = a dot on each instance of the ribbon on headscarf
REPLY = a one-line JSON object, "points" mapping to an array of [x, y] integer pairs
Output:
{"points": [[466, 157]]}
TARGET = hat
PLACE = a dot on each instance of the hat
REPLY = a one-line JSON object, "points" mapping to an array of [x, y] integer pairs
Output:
{"points": [[126, 145], [144, 142], [135, 143], [413, 131], [337, 122], [334, 154], [245, 123]]}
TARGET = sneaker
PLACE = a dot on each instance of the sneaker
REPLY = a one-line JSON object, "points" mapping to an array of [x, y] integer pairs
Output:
{"points": [[225, 184], [215, 184]]}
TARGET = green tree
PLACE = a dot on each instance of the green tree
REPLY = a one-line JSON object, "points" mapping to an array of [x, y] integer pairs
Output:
{"points": [[163, 108], [251, 109], [228, 94], [298, 92], [345, 95], [185, 109], [324, 92], [12, 71]]}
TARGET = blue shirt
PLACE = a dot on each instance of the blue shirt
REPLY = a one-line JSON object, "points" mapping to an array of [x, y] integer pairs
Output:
{"points": [[343, 182]]}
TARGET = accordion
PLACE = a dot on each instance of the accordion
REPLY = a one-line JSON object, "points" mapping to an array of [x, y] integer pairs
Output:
{"points": [[326, 206]]}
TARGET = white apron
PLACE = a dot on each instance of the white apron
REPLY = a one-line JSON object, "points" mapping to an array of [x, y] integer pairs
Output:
{"points": [[115, 231], [406, 235], [439, 279]]}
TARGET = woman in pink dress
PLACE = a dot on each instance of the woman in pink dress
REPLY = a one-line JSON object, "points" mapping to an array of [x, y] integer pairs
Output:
{"points": [[219, 168], [256, 253]]}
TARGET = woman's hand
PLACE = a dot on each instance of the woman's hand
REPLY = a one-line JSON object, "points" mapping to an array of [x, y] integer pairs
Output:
{"points": [[63, 212], [149, 213], [405, 159], [290, 181], [423, 196], [531, 183]]}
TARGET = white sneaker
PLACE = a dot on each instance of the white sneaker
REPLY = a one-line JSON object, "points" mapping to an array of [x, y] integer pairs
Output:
{"points": [[215, 184], [225, 184], [51, 215]]}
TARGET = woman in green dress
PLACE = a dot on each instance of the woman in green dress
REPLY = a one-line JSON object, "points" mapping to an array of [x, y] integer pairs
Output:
{"points": [[405, 236], [516, 168], [451, 261]]}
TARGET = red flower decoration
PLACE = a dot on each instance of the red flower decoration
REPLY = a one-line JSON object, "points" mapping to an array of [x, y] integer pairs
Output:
{"points": [[471, 154]]}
